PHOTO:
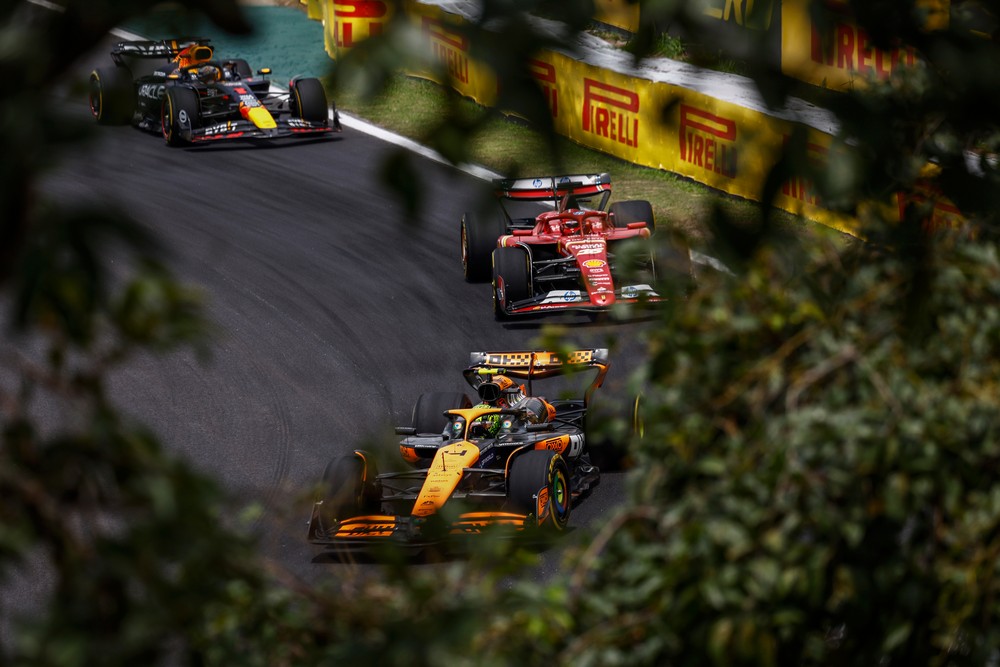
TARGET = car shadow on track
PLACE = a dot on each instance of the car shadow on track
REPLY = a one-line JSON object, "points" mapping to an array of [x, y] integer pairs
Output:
{"points": [[258, 144], [459, 550]]}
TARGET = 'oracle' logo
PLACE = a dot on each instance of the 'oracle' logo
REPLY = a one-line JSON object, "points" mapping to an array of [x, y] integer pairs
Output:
{"points": [[611, 112], [708, 141]]}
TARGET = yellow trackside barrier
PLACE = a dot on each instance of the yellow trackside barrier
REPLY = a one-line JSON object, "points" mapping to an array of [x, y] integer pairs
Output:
{"points": [[621, 14], [450, 49], [726, 145], [346, 22]]}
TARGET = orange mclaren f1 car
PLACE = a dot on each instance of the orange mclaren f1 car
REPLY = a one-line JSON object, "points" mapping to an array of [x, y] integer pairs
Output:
{"points": [[462, 477]]}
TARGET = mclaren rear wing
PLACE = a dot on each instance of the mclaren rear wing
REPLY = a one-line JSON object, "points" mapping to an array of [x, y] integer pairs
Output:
{"points": [[538, 364]]}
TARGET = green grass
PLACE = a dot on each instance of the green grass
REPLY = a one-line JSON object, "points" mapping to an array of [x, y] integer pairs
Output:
{"points": [[410, 107]]}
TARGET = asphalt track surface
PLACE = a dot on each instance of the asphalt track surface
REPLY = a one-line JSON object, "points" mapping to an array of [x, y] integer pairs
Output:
{"points": [[334, 310]]}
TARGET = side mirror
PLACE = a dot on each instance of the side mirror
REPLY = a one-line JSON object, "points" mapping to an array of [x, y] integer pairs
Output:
{"points": [[533, 428], [264, 70], [405, 430]]}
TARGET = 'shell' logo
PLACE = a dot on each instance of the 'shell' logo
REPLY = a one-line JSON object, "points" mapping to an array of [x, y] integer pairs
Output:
{"points": [[450, 48], [708, 141], [357, 13], [611, 112], [545, 75]]}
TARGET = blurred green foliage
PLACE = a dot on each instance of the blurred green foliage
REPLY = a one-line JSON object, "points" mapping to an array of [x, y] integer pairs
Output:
{"points": [[815, 484]]}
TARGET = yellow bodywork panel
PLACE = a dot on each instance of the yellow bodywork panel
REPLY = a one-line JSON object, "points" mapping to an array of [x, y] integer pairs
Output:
{"points": [[444, 475]]}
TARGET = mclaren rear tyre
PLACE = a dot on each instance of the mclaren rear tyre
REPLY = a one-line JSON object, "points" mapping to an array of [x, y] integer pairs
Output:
{"points": [[308, 101], [428, 412], [479, 235], [625, 212], [349, 489], [181, 110], [511, 279], [539, 487], [610, 427], [112, 95]]}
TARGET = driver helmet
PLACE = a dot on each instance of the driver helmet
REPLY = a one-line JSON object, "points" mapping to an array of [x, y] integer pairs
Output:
{"points": [[192, 55], [571, 226], [493, 392], [208, 74]]}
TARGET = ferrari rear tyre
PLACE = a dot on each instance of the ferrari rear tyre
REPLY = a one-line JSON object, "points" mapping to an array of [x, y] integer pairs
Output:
{"points": [[539, 487], [511, 279], [349, 489], [625, 212], [181, 109], [308, 101], [112, 95], [479, 237], [428, 413]]}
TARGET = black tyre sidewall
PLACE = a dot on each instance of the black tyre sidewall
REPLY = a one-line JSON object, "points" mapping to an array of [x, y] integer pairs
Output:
{"points": [[479, 238], [636, 210], [512, 272], [530, 473], [309, 101], [347, 490], [112, 95], [175, 100], [428, 411]]}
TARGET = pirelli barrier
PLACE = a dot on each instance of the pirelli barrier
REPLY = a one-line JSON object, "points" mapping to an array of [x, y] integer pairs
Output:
{"points": [[723, 143]]}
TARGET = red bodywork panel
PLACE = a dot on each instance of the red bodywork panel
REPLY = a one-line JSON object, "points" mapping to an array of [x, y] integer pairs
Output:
{"points": [[584, 235]]}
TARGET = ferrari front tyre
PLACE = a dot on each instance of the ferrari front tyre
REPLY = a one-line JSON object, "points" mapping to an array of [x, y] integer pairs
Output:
{"points": [[511, 279], [349, 489], [479, 237], [538, 486], [181, 110], [112, 95], [308, 101], [428, 413], [625, 212]]}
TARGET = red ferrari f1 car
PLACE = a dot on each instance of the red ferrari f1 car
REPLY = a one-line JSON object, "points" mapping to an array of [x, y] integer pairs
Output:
{"points": [[463, 477], [192, 97], [562, 259]]}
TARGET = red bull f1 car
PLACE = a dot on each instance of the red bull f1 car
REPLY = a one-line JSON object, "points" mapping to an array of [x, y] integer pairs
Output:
{"points": [[462, 478], [190, 97], [566, 258]]}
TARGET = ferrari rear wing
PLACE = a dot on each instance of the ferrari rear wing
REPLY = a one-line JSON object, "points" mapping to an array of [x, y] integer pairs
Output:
{"points": [[163, 48], [552, 188], [537, 364]]}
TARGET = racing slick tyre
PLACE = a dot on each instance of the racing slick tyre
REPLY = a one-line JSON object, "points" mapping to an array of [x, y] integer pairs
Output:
{"points": [[539, 487], [428, 412], [511, 279], [479, 238], [112, 95], [349, 489], [609, 428], [180, 108], [307, 101], [636, 210]]}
